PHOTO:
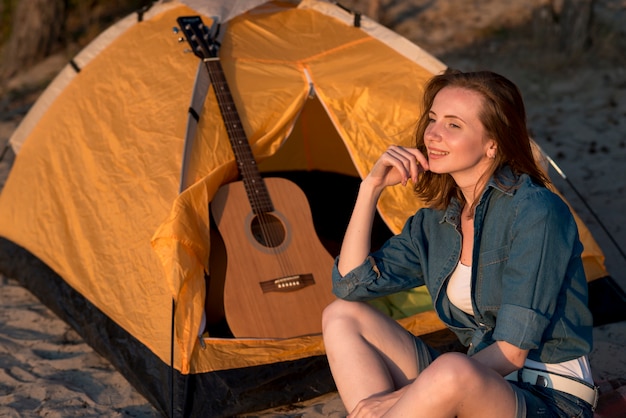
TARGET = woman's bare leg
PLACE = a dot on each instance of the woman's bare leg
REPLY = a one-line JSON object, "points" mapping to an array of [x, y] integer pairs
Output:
{"points": [[369, 353], [454, 385]]}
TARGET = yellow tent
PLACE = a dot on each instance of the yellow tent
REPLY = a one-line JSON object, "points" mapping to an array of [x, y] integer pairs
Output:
{"points": [[95, 191]]}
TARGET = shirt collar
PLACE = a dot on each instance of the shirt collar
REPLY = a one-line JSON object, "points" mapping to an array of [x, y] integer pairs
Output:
{"points": [[505, 181]]}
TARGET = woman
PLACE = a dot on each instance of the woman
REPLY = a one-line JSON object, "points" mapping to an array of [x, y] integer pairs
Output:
{"points": [[500, 256]]}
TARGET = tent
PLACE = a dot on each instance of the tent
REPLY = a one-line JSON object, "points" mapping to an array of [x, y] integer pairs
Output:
{"points": [[105, 214]]}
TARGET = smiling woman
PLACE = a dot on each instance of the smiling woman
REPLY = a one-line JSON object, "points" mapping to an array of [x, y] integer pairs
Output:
{"points": [[520, 307], [455, 139], [502, 141]]}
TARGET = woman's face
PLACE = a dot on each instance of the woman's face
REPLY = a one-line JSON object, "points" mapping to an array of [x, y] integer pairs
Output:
{"points": [[455, 138]]}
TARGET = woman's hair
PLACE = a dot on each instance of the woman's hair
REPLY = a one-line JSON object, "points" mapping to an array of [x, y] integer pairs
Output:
{"points": [[504, 119]]}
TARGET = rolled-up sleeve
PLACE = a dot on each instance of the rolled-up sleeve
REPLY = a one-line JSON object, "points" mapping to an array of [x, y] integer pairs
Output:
{"points": [[523, 327], [393, 268]]}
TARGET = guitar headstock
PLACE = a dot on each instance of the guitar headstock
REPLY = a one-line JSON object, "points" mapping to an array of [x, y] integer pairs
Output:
{"points": [[201, 39]]}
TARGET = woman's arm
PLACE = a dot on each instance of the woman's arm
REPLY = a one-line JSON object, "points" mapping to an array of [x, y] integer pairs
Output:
{"points": [[502, 357], [397, 165]]}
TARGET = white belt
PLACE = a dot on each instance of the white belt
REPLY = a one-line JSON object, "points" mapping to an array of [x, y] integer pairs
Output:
{"points": [[555, 381]]}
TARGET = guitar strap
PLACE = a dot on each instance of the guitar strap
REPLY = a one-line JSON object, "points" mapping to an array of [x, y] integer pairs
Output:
{"points": [[198, 96]]}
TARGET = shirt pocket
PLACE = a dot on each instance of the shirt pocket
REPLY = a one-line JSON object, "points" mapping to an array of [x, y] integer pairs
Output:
{"points": [[491, 265]]}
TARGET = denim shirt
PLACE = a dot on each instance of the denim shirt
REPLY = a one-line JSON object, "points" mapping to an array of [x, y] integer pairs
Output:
{"points": [[528, 284]]}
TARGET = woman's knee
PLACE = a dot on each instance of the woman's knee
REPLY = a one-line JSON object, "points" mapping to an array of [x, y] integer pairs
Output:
{"points": [[342, 318], [454, 370], [340, 309], [340, 323]]}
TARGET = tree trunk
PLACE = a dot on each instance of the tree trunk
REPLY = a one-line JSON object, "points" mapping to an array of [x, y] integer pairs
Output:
{"points": [[373, 9], [575, 25], [37, 28]]}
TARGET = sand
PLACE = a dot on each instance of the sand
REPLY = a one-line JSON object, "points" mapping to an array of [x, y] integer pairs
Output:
{"points": [[576, 111]]}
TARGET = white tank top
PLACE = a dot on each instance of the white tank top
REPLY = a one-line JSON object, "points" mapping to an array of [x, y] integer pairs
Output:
{"points": [[460, 294], [460, 288]]}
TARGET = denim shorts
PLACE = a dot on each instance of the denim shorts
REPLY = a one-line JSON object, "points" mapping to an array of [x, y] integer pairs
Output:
{"points": [[532, 400], [537, 401], [425, 353]]}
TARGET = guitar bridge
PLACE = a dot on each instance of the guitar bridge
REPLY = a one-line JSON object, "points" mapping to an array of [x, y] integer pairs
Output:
{"points": [[288, 284]]}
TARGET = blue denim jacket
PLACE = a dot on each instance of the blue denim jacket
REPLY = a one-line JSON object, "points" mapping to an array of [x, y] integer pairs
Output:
{"points": [[528, 283]]}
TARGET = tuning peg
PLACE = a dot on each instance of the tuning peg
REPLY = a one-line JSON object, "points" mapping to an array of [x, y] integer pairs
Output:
{"points": [[181, 39], [175, 29]]}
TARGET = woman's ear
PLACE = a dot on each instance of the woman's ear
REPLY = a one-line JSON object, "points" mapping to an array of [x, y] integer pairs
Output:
{"points": [[492, 149]]}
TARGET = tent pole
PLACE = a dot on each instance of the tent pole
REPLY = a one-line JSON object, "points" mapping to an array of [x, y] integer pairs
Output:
{"points": [[198, 96], [172, 383], [200, 91], [580, 196]]}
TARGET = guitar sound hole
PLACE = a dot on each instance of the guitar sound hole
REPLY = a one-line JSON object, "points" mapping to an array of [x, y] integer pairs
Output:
{"points": [[268, 230]]}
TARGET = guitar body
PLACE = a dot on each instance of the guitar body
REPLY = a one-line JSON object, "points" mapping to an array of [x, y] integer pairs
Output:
{"points": [[278, 275]]}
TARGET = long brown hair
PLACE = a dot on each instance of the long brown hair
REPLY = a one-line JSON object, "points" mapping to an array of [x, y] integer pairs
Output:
{"points": [[504, 118]]}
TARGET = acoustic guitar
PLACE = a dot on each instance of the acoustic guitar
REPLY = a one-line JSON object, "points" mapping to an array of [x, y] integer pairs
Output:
{"points": [[278, 274]]}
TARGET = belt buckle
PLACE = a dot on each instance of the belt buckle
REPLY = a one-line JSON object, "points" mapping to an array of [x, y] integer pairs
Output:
{"points": [[542, 381], [596, 397]]}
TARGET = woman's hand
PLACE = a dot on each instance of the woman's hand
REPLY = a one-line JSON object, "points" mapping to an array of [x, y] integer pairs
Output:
{"points": [[376, 406], [396, 166]]}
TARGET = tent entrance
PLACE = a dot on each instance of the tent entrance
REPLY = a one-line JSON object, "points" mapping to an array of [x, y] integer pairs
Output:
{"points": [[313, 144]]}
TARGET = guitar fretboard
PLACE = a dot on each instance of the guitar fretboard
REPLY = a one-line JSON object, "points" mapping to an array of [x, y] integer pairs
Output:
{"points": [[255, 186]]}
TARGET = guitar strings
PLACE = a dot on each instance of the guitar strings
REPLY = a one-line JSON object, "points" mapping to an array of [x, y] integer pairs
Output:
{"points": [[233, 123]]}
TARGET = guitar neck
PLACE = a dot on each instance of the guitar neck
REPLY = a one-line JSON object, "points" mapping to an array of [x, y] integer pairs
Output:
{"points": [[253, 181]]}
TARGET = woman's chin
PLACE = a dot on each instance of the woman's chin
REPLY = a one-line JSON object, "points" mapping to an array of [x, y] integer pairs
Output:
{"points": [[436, 170]]}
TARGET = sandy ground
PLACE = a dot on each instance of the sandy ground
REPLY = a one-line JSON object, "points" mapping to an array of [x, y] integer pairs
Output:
{"points": [[576, 111]]}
